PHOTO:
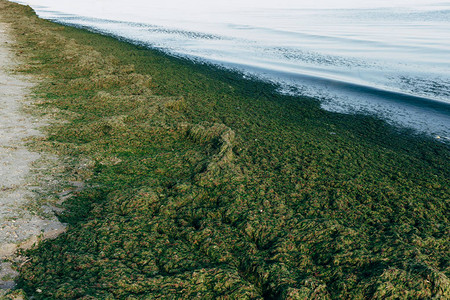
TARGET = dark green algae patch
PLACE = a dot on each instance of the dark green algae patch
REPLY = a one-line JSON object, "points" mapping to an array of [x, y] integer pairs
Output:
{"points": [[206, 185]]}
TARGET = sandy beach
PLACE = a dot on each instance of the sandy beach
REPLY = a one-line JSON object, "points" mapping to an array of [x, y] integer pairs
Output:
{"points": [[19, 226]]}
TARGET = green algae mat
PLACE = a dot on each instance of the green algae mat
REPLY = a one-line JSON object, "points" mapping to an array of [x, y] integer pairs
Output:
{"points": [[201, 184]]}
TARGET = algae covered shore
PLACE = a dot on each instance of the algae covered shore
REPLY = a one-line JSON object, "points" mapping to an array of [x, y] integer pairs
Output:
{"points": [[201, 184]]}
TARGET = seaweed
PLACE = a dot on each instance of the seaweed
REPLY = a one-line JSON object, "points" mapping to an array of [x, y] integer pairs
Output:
{"points": [[207, 185]]}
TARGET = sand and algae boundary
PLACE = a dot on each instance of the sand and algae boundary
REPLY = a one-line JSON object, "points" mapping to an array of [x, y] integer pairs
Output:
{"points": [[206, 185], [28, 179]]}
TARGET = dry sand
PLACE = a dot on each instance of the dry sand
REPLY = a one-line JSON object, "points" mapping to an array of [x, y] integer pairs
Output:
{"points": [[19, 224]]}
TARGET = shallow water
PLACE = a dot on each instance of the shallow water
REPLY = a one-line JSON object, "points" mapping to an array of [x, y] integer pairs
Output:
{"points": [[392, 62]]}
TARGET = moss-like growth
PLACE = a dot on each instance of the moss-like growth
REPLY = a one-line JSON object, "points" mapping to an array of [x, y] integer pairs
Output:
{"points": [[207, 185]]}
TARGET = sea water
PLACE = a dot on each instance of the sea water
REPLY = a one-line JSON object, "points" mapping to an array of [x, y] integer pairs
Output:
{"points": [[393, 62]]}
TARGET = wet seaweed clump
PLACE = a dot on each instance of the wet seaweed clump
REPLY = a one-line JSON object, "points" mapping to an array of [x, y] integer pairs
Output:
{"points": [[205, 185]]}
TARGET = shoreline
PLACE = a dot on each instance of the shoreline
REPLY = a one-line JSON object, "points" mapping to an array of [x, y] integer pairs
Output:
{"points": [[270, 88], [436, 107], [202, 184], [394, 105]]}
